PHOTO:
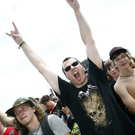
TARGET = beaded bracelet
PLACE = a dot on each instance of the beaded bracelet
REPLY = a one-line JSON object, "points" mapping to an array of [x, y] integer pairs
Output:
{"points": [[21, 44]]}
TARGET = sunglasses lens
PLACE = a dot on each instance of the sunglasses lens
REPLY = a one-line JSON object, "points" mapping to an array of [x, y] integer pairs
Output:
{"points": [[75, 63], [67, 68]]}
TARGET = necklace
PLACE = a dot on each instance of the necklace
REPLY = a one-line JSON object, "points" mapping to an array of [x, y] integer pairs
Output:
{"points": [[36, 129], [128, 75]]}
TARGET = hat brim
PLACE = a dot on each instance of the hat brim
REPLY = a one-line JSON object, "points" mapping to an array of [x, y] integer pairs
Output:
{"points": [[119, 50], [10, 112]]}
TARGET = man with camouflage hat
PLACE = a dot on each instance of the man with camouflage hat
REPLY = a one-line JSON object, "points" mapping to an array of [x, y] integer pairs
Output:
{"points": [[30, 119]]}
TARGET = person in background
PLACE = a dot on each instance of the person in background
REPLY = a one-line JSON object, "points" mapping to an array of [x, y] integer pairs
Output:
{"points": [[51, 106], [71, 122], [88, 97], [30, 119], [7, 130], [5, 119], [124, 86], [114, 72], [55, 99]]}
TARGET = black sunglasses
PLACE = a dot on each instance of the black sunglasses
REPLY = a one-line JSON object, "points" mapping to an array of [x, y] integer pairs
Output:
{"points": [[62, 105], [69, 67]]}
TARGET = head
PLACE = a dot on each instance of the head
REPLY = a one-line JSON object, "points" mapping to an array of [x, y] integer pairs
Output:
{"points": [[51, 95], [63, 107], [25, 111], [47, 101], [118, 55], [111, 69], [55, 99], [74, 71]]}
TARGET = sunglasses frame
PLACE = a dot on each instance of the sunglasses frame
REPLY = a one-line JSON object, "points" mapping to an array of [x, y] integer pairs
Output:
{"points": [[69, 67]]}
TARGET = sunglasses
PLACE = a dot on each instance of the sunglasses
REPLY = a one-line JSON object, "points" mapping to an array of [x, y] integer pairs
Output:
{"points": [[69, 67], [62, 105]]}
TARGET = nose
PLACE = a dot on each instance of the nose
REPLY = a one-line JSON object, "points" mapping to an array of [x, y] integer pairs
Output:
{"points": [[21, 112]]}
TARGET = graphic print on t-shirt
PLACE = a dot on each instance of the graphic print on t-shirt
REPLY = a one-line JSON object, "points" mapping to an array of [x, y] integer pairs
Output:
{"points": [[94, 105]]}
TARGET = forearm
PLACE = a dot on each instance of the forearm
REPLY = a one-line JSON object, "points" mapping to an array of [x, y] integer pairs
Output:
{"points": [[6, 120], [85, 31], [33, 58]]}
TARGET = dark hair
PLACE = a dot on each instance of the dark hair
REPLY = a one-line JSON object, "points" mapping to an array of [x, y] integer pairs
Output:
{"points": [[44, 99], [60, 104], [67, 58]]}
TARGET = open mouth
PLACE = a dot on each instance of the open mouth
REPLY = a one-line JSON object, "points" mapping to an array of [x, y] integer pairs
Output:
{"points": [[77, 75]]}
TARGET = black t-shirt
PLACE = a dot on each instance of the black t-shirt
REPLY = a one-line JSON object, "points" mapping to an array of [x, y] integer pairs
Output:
{"points": [[94, 106], [120, 102]]}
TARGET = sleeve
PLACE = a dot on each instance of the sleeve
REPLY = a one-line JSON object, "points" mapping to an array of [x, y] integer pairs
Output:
{"points": [[64, 87], [57, 125]]}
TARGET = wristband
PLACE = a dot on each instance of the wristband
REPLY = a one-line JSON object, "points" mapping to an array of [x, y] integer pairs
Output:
{"points": [[21, 44]]}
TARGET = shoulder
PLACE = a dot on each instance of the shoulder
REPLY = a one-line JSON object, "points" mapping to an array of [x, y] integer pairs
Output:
{"points": [[53, 117], [57, 125]]}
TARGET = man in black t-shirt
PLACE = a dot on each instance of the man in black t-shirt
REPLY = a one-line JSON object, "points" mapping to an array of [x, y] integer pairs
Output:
{"points": [[89, 99]]}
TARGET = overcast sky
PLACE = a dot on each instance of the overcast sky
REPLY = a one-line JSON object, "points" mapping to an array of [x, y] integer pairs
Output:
{"points": [[51, 29]]}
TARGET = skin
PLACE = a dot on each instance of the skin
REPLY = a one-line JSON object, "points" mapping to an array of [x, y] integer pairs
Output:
{"points": [[112, 71], [66, 110], [6, 120], [49, 104], [124, 86], [50, 76], [2, 128], [26, 116], [78, 70]]}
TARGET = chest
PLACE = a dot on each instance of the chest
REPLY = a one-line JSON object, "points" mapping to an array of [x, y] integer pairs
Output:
{"points": [[129, 83]]}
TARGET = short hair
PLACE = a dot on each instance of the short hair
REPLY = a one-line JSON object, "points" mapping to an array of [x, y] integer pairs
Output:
{"points": [[44, 99], [67, 58], [51, 94], [108, 63]]}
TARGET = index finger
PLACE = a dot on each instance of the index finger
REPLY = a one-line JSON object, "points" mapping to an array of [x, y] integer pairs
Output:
{"points": [[15, 27]]}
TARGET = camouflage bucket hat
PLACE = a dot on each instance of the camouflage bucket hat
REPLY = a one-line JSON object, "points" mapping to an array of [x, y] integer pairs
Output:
{"points": [[18, 102]]}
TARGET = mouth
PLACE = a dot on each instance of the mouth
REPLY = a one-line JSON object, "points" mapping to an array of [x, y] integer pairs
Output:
{"points": [[77, 75], [123, 64], [22, 118]]}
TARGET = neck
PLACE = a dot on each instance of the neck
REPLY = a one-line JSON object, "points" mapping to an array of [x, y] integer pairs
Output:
{"points": [[33, 124], [115, 78], [127, 73]]}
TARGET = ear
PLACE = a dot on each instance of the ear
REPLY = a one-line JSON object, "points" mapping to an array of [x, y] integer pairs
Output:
{"points": [[34, 109], [66, 77]]}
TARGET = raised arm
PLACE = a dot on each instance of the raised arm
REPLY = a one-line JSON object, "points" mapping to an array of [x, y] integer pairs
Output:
{"points": [[48, 74], [6, 120], [86, 34]]}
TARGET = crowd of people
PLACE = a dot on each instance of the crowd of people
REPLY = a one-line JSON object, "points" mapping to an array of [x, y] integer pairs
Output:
{"points": [[99, 103]]}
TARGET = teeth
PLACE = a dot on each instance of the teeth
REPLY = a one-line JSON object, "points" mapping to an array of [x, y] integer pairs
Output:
{"points": [[75, 72]]}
